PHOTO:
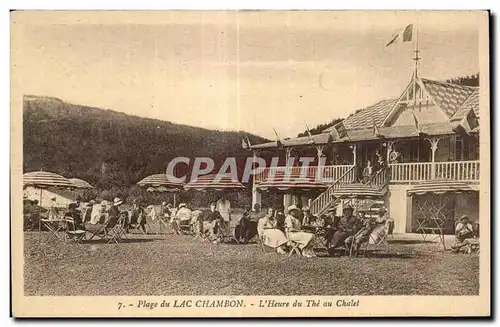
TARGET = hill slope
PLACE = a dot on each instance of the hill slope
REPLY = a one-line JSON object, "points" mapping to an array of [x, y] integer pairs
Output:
{"points": [[109, 148]]}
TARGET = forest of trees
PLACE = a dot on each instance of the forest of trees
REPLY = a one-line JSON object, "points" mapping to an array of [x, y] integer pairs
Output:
{"points": [[112, 150], [472, 80], [320, 128]]}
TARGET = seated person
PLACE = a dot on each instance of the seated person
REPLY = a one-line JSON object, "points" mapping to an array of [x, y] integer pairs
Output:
{"points": [[241, 231], [463, 231], [181, 217], [294, 232], [269, 234], [137, 217], [74, 215], [213, 224], [344, 228], [353, 243], [280, 219]]}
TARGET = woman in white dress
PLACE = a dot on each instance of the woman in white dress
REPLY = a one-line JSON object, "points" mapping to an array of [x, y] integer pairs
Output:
{"points": [[269, 232], [294, 232]]}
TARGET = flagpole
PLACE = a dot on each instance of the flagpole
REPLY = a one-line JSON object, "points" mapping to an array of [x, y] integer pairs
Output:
{"points": [[415, 72]]}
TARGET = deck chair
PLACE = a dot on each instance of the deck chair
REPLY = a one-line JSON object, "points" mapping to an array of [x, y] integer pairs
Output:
{"points": [[135, 222], [73, 233], [185, 227], [112, 230]]}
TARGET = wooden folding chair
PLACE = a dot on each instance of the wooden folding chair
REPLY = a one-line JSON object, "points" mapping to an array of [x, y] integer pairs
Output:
{"points": [[55, 228], [294, 248]]}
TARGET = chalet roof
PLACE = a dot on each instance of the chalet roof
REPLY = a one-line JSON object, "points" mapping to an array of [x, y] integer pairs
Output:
{"points": [[472, 102], [365, 117], [398, 131], [449, 97], [322, 138]]}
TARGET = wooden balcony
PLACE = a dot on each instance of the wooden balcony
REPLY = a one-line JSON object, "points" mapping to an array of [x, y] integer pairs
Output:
{"points": [[465, 171]]}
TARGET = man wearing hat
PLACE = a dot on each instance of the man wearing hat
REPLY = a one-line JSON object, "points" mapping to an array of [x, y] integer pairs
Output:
{"points": [[293, 228], [75, 215], [345, 227], [308, 218], [114, 211]]}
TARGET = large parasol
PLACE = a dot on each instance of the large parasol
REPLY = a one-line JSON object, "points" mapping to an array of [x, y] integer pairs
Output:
{"points": [[211, 182], [161, 183], [43, 179], [80, 183]]}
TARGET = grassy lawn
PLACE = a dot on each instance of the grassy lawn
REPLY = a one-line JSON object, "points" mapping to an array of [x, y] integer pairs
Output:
{"points": [[180, 265]]}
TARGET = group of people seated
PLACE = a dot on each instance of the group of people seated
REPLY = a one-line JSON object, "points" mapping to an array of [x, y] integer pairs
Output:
{"points": [[301, 228]]}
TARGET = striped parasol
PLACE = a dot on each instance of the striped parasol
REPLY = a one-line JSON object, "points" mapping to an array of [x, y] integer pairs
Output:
{"points": [[161, 183], [214, 182], [439, 186], [291, 181], [44, 179], [80, 183]]}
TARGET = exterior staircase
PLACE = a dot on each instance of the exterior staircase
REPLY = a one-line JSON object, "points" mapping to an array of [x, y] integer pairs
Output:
{"points": [[347, 190]]}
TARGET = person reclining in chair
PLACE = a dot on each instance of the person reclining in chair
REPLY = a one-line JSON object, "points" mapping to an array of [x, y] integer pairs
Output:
{"points": [[344, 228], [181, 217], [137, 217], [74, 215], [295, 234], [269, 233], [353, 243], [214, 223]]}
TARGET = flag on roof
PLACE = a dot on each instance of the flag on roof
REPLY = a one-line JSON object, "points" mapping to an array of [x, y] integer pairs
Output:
{"points": [[340, 129], [376, 132], [404, 35], [244, 144]]}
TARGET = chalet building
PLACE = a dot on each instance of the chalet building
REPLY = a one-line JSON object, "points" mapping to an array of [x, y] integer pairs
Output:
{"points": [[423, 146]]}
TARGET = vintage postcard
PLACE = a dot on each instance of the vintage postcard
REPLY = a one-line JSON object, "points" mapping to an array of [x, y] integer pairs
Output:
{"points": [[250, 163]]}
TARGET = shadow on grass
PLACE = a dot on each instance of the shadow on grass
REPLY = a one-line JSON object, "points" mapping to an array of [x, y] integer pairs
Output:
{"points": [[408, 242], [122, 241], [335, 253]]}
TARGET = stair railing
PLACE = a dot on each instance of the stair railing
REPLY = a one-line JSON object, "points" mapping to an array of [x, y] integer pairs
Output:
{"points": [[381, 178], [323, 201]]}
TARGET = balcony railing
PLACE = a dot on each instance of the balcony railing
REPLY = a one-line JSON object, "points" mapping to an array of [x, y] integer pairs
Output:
{"points": [[467, 171], [329, 173], [458, 170], [412, 171], [421, 171]]}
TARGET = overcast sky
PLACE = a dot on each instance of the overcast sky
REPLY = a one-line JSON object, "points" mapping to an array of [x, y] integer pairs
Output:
{"points": [[291, 68]]}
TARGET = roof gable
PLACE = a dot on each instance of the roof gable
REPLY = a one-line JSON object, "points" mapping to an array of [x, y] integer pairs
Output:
{"points": [[449, 97], [472, 102]]}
